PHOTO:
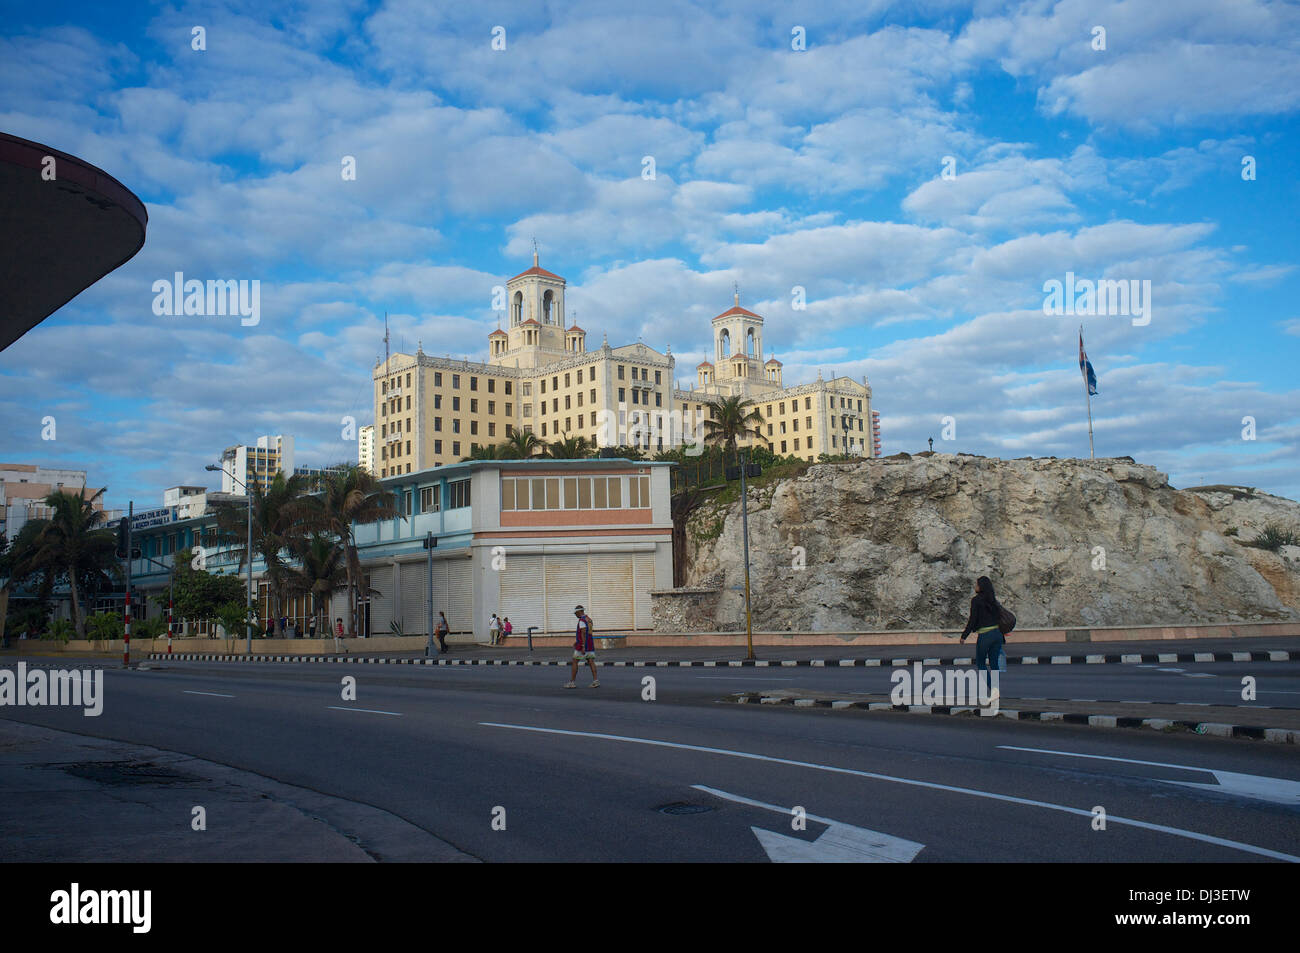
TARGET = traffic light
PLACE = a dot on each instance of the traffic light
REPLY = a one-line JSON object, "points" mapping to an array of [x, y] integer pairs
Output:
{"points": [[123, 532]]}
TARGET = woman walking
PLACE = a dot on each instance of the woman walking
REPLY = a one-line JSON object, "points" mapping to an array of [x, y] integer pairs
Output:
{"points": [[985, 613]]}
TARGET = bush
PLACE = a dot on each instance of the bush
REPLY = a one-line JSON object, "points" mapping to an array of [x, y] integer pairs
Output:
{"points": [[60, 630], [1274, 538], [105, 625]]}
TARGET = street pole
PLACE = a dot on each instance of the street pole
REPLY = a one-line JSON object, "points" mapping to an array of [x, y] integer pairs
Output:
{"points": [[126, 631], [744, 519], [428, 600], [249, 554], [171, 603]]}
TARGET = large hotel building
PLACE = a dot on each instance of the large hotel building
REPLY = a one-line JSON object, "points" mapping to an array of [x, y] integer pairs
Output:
{"points": [[541, 378]]}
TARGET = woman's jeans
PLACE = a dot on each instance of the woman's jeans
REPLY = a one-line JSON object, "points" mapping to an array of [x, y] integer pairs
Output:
{"points": [[987, 649]]}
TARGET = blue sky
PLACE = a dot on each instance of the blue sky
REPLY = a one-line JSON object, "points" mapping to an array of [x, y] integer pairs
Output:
{"points": [[775, 168]]}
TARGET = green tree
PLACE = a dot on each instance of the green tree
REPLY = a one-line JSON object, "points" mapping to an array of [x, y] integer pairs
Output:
{"points": [[60, 630], [71, 544], [106, 626], [197, 594], [351, 496], [322, 571], [483, 452], [521, 445], [277, 525], [232, 617], [569, 448], [734, 419]]}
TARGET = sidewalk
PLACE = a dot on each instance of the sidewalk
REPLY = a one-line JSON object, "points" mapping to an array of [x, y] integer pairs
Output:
{"points": [[76, 799], [1151, 652]]}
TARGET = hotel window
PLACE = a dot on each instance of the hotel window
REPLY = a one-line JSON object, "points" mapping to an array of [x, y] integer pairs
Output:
{"points": [[507, 388], [437, 402], [383, 387], [658, 377], [455, 448], [408, 380], [636, 396], [473, 383], [783, 446], [620, 372], [455, 382], [859, 406], [580, 375], [543, 383], [457, 494], [528, 390], [455, 425], [473, 405], [543, 429], [473, 427], [622, 395], [807, 403], [437, 423], [492, 406], [510, 430], [528, 410], [808, 422], [492, 385], [796, 444], [437, 378], [510, 409], [555, 405], [796, 425], [408, 401], [455, 403], [555, 382], [579, 398], [783, 426], [408, 446], [383, 430], [593, 395], [492, 429], [567, 403], [568, 424], [859, 423], [566, 380], [437, 447], [659, 401]]}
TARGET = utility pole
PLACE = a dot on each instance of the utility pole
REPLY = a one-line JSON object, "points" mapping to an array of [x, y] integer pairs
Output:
{"points": [[126, 631], [744, 519], [429, 543]]}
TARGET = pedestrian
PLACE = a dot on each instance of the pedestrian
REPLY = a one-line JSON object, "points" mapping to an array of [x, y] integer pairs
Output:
{"points": [[284, 625], [985, 616], [507, 629], [270, 628], [494, 629], [311, 628], [338, 634], [584, 650], [443, 629]]}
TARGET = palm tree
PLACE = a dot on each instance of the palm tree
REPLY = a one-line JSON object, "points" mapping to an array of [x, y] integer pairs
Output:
{"points": [[323, 572], [734, 419], [351, 496], [490, 451], [71, 542], [521, 445], [569, 448], [277, 527]]}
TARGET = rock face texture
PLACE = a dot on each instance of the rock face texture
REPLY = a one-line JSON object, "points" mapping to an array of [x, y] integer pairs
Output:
{"points": [[897, 542]]}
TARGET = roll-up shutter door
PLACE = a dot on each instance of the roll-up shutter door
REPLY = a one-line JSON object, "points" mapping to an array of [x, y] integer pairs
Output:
{"points": [[415, 586], [566, 587], [382, 604], [460, 594], [611, 592], [642, 584], [523, 593]]}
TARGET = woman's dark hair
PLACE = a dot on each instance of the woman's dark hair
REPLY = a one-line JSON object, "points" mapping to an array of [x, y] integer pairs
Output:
{"points": [[986, 590]]}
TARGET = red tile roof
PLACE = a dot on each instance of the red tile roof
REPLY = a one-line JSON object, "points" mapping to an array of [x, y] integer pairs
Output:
{"points": [[737, 309], [536, 270]]}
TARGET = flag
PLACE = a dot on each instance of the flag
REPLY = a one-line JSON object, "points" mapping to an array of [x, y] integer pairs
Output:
{"points": [[1085, 368]]}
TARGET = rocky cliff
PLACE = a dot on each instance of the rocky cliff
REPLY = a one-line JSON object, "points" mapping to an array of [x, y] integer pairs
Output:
{"points": [[897, 542]]}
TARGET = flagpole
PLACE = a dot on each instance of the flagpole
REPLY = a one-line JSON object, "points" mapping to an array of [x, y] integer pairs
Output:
{"points": [[1087, 393]]}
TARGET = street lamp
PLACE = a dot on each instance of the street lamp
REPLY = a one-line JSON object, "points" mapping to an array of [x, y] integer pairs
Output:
{"points": [[213, 468]]}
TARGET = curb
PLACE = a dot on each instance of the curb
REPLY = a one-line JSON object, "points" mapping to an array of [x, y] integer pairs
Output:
{"points": [[1114, 659], [1216, 729]]}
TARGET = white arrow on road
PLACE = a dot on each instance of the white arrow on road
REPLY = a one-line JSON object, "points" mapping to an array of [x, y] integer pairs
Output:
{"points": [[839, 844], [1277, 790]]}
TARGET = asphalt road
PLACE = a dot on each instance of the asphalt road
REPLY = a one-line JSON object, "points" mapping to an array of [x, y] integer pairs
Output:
{"points": [[584, 774]]}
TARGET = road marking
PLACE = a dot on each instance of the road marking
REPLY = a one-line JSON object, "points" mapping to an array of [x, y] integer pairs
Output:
{"points": [[747, 678], [1277, 790], [840, 843], [1199, 675], [1169, 670], [1079, 812], [369, 711], [213, 694]]}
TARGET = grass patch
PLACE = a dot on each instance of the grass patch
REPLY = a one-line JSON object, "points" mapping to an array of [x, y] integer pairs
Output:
{"points": [[1274, 538]]}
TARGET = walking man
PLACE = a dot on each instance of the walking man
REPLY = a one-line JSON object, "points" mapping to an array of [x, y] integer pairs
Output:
{"points": [[494, 628], [584, 650]]}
